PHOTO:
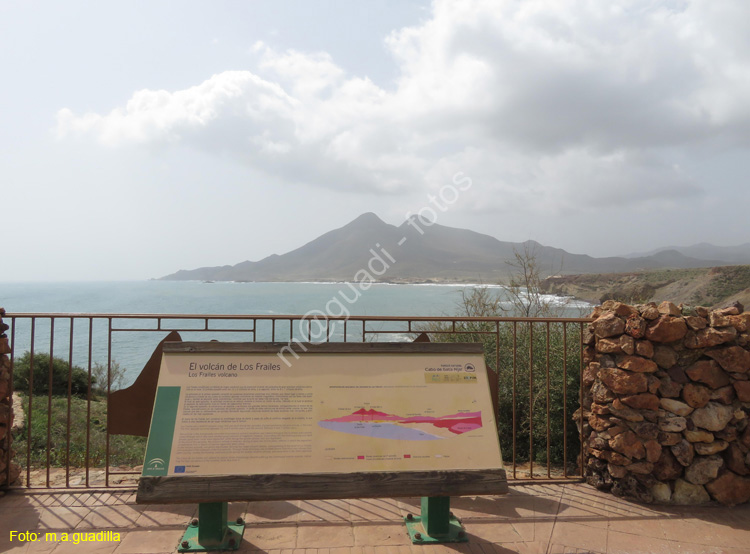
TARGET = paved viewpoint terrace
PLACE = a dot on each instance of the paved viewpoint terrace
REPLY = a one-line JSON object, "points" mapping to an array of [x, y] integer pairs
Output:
{"points": [[544, 519]]}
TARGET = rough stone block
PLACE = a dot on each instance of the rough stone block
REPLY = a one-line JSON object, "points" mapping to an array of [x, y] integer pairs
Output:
{"points": [[696, 395], [689, 494], [672, 424], [730, 489], [608, 325], [676, 407], [662, 493], [709, 373], [703, 469], [623, 382], [713, 417], [666, 329]]}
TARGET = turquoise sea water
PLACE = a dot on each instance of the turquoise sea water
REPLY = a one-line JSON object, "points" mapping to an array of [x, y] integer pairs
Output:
{"points": [[132, 349], [179, 297]]}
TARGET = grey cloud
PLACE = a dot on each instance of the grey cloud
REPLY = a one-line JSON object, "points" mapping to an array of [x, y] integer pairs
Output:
{"points": [[566, 101]]}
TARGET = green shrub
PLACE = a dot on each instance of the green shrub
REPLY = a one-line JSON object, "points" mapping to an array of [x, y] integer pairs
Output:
{"points": [[79, 442], [61, 370], [538, 387]]}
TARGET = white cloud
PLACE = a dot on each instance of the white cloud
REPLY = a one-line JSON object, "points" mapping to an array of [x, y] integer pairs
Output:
{"points": [[162, 116], [308, 75], [559, 104]]}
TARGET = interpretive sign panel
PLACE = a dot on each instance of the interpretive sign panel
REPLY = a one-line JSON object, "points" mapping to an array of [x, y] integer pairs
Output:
{"points": [[231, 409], [223, 413]]}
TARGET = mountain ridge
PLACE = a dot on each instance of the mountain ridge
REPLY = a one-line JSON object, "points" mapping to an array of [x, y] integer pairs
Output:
{"points": [[739, 254], [418, 251]]}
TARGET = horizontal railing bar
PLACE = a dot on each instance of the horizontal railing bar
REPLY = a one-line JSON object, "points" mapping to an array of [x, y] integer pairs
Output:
{"points": [[430, 332], [295, 317], [181, 329], [435, 332]]}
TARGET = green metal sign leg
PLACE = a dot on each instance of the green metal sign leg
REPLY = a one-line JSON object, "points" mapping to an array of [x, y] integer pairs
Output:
{"points": [[212, 523], [436, 513], [436, 524], [211, 531]]}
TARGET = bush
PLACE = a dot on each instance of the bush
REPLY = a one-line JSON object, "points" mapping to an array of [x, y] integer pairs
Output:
{"points": [[86, 445], [99, 374], [639, 293], [537, 363], [61, 373]]}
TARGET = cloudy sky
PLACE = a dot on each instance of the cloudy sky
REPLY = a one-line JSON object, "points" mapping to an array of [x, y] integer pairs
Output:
{"points": [[138, 138]]}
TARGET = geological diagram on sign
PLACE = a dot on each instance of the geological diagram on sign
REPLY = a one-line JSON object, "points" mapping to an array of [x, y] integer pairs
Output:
{"points": [[380, 425]]}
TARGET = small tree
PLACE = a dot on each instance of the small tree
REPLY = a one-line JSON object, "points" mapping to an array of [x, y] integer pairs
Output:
{"points": [[537, 363], [524, 287], [116, 373]]}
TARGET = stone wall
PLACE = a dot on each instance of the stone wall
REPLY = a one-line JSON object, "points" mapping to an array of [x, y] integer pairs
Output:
{"points": [[666, 403], [6, 408]]}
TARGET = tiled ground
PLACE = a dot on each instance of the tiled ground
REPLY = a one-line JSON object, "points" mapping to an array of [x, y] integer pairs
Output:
{"points": [[544, 519]]}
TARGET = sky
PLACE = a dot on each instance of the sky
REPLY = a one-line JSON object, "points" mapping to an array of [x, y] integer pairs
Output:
{"points": [[138, 138]]}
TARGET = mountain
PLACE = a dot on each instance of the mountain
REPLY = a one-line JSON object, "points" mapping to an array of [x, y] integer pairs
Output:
{"points": [[415, 252], [726, 255]]}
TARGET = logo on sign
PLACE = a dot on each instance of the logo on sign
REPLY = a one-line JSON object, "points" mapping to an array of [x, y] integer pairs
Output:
{"points": [[155, 464], [470, 368]]}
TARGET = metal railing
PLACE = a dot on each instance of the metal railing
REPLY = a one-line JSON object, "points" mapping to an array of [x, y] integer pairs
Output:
{"points": [[65, 442]]}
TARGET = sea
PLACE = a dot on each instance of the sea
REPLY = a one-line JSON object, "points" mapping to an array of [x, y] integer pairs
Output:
{"points": [[131, 349]]}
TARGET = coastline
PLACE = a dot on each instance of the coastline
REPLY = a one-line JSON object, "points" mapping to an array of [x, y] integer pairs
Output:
{"points": [[576, 301], [423, 282]]}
